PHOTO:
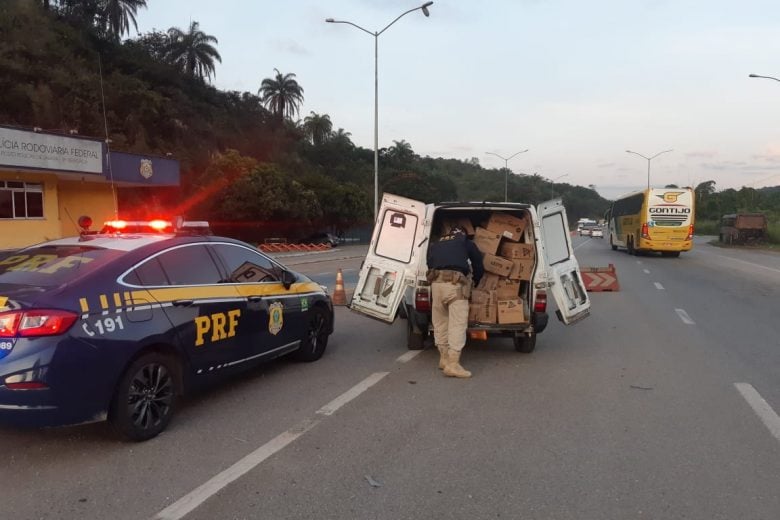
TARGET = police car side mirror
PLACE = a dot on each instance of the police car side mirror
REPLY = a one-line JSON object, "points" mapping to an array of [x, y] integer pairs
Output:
{"points": [[287, 279]]}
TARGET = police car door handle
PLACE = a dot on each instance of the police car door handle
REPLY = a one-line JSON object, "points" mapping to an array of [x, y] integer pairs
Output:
{"points": [[182, 303]]}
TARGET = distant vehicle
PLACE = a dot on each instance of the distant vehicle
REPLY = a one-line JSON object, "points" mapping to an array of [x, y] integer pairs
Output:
{"points": [[584, 231], [596, 232], [653, 220], [741, 228], [322, 238], [117, 325]]}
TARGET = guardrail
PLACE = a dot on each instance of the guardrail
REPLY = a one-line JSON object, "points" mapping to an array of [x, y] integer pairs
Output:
{"points": [[284, 248]]}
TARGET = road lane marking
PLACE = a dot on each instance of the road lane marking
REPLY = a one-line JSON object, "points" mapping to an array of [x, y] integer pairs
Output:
{"points": [[761, 407], [408, 356], [659, 286], [331, 407], [195, 498], [647, 271], [684, 317], [199, 495]]}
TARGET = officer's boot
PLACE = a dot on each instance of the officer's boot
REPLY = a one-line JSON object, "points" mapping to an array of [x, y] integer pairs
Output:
{"points": [[453, 368], [442, 356]]}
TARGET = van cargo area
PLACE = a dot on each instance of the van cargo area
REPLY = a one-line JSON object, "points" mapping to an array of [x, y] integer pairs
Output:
{"points": [[501, 303]]}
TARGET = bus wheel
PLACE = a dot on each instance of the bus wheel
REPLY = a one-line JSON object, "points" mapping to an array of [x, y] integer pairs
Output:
{"points": [[613, 246]]}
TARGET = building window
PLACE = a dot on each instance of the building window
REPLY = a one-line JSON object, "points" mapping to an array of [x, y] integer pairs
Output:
{"points": [[20, 200]]}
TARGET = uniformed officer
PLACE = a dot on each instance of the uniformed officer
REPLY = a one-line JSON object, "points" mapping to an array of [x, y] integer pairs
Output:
{"points": [[451, 281]]}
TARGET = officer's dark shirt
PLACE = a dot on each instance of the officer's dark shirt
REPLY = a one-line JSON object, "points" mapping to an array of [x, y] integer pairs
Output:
{"points": [[453, 252]]}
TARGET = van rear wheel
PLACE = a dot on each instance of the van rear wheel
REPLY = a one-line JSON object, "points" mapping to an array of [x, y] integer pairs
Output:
{"points": [[415, 340], [525, 343]]}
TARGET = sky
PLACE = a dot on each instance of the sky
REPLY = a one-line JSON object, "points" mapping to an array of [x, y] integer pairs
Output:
{"points": [[575, 83]]}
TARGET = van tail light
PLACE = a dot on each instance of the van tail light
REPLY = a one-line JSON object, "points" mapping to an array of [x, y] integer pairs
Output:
{"points": [[422, 300], [540, 302], [645, 231], [690, 233], [35, 322]]}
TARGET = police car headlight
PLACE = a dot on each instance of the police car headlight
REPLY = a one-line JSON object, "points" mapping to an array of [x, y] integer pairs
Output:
{"points": [[324, 288]]}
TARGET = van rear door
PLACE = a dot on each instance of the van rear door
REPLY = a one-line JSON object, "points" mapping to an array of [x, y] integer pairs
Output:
{"points": [[564, 279], [392, 259]]}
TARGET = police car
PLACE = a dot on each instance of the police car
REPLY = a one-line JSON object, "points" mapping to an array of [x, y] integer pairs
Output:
{"points": [[116, 325]]}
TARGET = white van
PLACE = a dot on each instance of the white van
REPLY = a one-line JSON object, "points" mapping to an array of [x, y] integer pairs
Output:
{"points": [[393, 276]]}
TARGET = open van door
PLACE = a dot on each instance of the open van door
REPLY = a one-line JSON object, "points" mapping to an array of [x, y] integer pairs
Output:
{"points": [[564, 278], [392, 259]]}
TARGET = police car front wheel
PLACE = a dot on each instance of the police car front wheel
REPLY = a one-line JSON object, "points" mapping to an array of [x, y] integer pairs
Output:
{"points": [[145, 398], [316, 339]]}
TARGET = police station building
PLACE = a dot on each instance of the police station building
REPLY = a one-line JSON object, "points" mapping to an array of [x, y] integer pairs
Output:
{"points": [[47, 181]]}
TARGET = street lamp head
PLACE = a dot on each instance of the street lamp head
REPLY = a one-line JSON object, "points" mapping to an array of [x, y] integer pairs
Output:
{"points": [[753, 76], [330, 20], [424, 8]]}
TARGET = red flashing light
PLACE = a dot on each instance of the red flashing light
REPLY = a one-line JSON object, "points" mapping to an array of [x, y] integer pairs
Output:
{"points": [[117, 224], [159, 225], [34, 323]]}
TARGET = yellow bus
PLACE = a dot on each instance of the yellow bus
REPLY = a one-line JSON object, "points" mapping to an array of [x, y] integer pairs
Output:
{"points": [[653, 220]]}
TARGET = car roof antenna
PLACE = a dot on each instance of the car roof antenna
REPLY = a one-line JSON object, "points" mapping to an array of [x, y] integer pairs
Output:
{"points": [[108, 142]]}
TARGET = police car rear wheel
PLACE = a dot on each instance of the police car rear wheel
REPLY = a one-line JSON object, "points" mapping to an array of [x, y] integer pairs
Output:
{"points": [[313, 345], [145, 399]]}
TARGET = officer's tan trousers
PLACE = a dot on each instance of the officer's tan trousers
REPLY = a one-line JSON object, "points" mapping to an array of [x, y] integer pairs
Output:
{"points": [[450, 315]]}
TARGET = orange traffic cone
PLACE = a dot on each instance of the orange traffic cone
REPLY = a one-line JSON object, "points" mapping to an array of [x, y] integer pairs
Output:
{"points": [[339, 296]]}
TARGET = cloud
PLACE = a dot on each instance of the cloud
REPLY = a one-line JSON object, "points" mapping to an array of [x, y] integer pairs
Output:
{"points": [[701, 154], [290, 46], [606, 165]]}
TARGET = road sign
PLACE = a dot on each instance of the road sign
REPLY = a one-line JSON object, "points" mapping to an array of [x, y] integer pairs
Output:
{"points": [[600, 278]]}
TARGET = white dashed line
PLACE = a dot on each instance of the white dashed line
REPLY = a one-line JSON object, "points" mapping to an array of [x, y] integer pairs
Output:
{"points": [[684, 317], [199, 495], [647, 271], [761, 407], [408, 356], [659, 286], [352, 393]]}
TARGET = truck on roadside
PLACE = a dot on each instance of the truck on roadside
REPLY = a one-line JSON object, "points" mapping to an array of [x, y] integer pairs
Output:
{"points": [[743, 228]]}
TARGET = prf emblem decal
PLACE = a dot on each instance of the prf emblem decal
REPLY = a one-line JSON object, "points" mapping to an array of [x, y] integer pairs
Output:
{"points": [[146, 169], [670, 196], [275, 318], [304, 304]]}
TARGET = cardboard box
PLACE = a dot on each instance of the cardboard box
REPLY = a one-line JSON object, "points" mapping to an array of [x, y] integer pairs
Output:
{"points": [[513, 250], [497, 265], [521, 269], [487, 241], [463, 222], [507, 289], [510, 311], [506, 225], [482, 307], [488, 282]]}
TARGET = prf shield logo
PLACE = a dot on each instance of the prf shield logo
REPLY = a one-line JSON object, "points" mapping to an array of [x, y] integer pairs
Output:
{"points": [[146, 169], [275, 318], [670, 196]]}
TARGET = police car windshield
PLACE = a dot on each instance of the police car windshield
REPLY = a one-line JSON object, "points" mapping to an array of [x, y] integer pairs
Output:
{"points": [[50, 266]]}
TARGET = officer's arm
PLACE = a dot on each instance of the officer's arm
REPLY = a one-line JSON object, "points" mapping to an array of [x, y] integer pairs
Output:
{"points": [[475, 255]]}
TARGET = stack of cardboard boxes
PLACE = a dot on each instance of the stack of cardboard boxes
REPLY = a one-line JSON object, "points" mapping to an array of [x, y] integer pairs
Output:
{"points": [[508, 262]]}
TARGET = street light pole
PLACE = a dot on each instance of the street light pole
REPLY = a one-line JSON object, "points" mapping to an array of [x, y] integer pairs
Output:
{"points": [[648, 162], [506, 175], [552, 184], [424, 8]]}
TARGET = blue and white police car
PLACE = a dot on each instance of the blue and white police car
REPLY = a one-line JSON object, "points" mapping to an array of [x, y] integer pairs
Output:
{"points": [[117, 325]]}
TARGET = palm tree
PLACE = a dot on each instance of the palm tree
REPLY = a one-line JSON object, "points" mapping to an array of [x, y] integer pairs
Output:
{"points": [[192, 51], [317, 127], [401, 153], [117, 15], [342, 138], [281, 95]]}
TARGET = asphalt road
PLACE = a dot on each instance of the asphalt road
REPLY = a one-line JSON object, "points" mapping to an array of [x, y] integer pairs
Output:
{"points": [[643, 410]]}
